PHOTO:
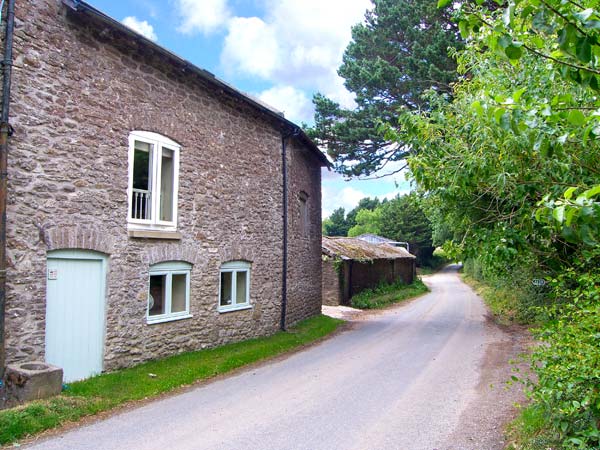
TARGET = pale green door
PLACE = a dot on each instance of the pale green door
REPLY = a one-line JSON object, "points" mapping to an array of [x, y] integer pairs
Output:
{"points": [[75, 312]]}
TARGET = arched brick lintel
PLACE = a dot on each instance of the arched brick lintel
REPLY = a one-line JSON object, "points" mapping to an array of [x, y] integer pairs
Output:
{"points": [[60, 238], [173, 252], [237, 253]]}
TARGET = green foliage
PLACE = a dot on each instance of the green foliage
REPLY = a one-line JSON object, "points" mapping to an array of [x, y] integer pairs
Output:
{"points": [[567, 366], [403, 219], [337, 265], [399, 52], [511, 298], [529, 431], [367, 221], [563, 34], [568, 377], [364, 203], [109, 390], [336, 224], [387, 294], [511, 168], [575, 219]]}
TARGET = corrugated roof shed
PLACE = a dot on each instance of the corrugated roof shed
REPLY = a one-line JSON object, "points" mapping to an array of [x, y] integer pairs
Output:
{"points": [[357, 249], [369, 237]]}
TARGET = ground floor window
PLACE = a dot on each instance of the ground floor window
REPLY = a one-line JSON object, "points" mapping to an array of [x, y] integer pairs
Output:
{"points": [[169, 291], [234, 286]]}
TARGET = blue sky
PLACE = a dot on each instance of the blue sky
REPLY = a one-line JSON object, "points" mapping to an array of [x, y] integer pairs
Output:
{"points": [[281, 51]]}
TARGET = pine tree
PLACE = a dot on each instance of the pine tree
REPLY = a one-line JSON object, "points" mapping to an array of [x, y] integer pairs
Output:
{"points": [[399, 52]]}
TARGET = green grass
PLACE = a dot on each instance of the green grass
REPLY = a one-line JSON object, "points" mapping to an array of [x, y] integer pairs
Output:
{"points": [[150, 379], [426, 270], [503, 302], [529, 431], [387, 294]]}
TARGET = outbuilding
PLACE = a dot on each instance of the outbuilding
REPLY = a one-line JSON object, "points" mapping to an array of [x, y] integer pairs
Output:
{"points": [[351, 265]]}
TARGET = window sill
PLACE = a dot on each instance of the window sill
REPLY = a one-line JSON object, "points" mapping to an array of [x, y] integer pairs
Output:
{"points": [[155, 234], [167, 319], [233, 308]]}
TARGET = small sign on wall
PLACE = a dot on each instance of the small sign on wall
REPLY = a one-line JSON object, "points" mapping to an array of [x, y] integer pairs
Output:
{"points": [[52, 274]]}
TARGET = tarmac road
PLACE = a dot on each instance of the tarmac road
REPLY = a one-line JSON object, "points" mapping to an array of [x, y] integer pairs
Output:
{"points": [[412, 377]]}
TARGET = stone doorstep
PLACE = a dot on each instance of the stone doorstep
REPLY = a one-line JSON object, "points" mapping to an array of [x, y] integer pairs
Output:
{"points": [[31, 380]]}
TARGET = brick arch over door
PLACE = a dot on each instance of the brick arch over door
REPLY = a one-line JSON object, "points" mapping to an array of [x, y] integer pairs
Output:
{"points": [[59, 238]]}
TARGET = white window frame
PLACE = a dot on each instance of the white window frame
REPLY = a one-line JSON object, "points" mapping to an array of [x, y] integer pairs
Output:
{"points": [[169, 269], [158, 142], [234, 267]]}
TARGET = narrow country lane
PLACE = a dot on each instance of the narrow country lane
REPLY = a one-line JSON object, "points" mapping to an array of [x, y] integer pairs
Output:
{"points": [[416, 376]]}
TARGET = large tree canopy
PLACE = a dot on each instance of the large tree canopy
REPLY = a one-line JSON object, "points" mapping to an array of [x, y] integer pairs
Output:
{"points": [[399, 52]]}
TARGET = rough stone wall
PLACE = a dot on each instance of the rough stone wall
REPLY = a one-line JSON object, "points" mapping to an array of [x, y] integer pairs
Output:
{"points": [[78, 91], [331, 284], [304, 246]]}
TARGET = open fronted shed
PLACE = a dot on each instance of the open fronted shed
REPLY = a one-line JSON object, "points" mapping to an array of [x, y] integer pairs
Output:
{"points": [[351, 265]]}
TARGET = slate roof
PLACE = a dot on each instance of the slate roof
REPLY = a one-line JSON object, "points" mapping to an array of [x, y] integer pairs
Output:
{"points": [[357, 249]]}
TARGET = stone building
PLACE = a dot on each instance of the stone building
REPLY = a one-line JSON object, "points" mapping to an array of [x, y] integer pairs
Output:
{"points": [[146, 201], [351, 265]]}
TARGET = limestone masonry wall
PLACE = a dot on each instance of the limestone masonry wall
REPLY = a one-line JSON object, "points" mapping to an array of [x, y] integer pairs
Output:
{"points": [[78, 91]]}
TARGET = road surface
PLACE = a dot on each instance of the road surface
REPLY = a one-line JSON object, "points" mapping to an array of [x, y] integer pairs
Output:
{"points": [[416, 376]]}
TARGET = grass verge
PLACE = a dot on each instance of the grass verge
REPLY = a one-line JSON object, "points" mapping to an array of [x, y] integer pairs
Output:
{"points": [[424, 270], [387, 294], [530, 431], [150, 379], [502, 302]]}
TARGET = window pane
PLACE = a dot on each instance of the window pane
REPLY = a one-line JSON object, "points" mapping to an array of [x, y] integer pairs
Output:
{"points": [[226, 281], [240, 294], [179, 286], [166, 185], [142, 181], [157, 298]]}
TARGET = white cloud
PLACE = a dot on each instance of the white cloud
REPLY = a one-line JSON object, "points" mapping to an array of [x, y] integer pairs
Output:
{"points": [[140, 26], [336, 192], [251, 36], [333, 198], [336, 91], [204, 16], [349, 197], [297, 44], [293, 102]]}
